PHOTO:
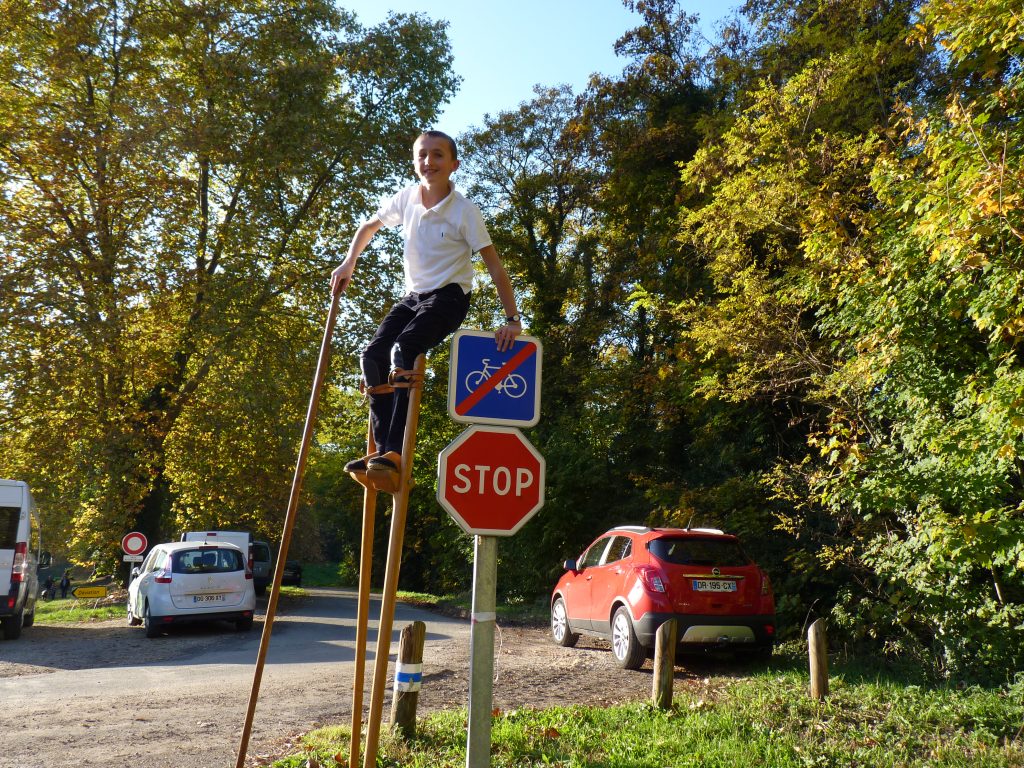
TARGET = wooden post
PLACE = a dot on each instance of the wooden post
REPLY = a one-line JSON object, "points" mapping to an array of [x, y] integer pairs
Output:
{"points": [[665, 641], [289, 525], [408, 676], [817, 650], [363, 605], [395, 540]]}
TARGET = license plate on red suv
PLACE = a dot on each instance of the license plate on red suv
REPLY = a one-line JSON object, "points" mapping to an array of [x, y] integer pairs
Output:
{"points": [[713, 585]]}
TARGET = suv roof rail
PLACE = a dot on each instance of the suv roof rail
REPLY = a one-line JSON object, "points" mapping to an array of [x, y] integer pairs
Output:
{"points": [[632, 528], [707, 530]]}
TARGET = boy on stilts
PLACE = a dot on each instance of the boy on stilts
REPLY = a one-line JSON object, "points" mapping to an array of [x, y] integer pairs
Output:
{"points": [[441, 230]]}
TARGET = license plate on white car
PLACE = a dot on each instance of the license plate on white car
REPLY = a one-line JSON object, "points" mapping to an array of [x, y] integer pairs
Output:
{"points": [[713, 585], [207, 598]]}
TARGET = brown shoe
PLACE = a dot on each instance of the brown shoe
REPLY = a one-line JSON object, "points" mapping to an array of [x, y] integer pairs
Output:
{"points": [[384, 471]]}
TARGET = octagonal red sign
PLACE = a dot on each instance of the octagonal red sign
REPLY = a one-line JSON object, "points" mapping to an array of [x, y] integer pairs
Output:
{"points": [[491, 480]]}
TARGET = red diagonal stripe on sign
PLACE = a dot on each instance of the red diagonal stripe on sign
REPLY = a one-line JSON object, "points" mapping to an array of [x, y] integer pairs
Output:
{"points": [[481, 392]]}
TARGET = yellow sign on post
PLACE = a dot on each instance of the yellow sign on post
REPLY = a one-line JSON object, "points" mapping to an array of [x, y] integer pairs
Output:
{"points": [[87, 593]]}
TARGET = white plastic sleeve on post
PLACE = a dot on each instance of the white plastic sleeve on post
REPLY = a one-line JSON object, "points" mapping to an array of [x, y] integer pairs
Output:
{"points": [[408, 677], [483, 616]]}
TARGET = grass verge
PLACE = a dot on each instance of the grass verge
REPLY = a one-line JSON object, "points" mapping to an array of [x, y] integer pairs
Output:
{"points": [[72, 610], [872, 718]]}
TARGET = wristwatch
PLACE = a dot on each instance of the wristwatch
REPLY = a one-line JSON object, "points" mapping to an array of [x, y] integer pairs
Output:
{"points": [[516, 318]]}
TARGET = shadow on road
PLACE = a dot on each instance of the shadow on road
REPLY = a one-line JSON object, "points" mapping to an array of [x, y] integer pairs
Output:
{"points": [[316, 629]]}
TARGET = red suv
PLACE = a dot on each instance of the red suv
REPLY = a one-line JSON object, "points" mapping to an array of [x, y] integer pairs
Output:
{"points": [[632, 579]]}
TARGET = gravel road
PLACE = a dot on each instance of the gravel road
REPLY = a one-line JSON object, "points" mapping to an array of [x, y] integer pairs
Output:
{"points": [[103, 694]]}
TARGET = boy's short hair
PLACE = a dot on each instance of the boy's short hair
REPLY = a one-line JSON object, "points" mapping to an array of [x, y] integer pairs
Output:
{"points": [[445, 137]]}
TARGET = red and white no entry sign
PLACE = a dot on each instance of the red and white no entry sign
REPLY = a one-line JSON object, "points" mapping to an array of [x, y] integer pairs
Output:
{"points": [[491, 480], [134, 543]]}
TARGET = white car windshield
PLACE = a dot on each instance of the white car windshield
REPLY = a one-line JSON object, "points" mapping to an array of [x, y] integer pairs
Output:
{"points": [[207, 560]]}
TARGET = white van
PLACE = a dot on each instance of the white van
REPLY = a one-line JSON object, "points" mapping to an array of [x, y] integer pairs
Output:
{"points": [[19, 553], [241, 539]]}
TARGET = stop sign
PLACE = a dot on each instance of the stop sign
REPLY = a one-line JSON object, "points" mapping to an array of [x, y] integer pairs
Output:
{"points": [[491, 480]]}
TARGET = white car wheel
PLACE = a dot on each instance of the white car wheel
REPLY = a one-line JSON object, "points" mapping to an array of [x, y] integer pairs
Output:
{"points": [[152, 627], [626, 648], [560, 625]]}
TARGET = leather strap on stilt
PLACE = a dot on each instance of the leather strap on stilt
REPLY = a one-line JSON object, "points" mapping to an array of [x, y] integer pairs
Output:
{"points": [[401, 377], [404, 379], [378, 389]]}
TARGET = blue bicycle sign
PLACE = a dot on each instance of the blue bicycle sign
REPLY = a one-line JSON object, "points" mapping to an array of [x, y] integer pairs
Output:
{"points": [[486, 386]]}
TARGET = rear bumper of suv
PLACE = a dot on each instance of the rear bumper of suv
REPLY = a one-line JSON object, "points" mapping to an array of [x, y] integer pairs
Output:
{"points": [[188, 618], [709, 631]]}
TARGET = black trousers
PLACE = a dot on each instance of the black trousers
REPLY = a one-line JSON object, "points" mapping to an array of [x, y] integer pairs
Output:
{"points": [[419, 322]]}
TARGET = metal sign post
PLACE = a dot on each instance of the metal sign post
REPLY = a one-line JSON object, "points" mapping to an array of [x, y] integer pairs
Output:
{"points": [[481, 661], [491, 482]]}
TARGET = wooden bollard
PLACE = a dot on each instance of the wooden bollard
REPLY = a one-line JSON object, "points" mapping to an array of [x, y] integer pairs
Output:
{"points": [[665, 641], [408, 674], [817, 651]]}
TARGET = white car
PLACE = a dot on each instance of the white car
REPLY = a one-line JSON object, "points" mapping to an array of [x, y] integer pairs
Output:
{"points": [[187, 581]]}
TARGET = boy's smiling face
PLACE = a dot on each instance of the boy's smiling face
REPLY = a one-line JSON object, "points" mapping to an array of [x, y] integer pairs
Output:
{"points": [[432, 157]]}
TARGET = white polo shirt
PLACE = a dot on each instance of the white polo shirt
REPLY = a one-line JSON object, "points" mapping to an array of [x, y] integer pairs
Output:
{"points": [[439, 241]]}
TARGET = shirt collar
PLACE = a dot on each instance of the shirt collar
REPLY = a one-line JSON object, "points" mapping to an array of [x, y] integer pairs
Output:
{"points": [[440, 205]]}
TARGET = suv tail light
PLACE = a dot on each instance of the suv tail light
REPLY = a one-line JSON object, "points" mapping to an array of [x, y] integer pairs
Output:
{"points": [[651, 579], [164, 577], [18, 571]]}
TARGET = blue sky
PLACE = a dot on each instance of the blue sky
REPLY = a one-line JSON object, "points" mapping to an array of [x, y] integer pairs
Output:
{"points": [[503, 48]]}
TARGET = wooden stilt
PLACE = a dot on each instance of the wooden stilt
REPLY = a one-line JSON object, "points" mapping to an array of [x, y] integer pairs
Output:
{"points": [[289, 524], [363, 606], [387, 608]]}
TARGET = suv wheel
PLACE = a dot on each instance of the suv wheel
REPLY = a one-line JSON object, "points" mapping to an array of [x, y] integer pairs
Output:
{"points": [[152, 627], [626, 648], [560, 625]]}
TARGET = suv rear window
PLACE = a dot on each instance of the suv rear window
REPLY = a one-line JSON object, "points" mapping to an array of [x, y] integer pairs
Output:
{"points": [[207, 560], [693, 551], [261, 553], [9, 517]]}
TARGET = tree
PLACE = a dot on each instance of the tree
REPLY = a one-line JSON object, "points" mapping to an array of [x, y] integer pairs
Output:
{"points": [[928, 324], [174, 178]]}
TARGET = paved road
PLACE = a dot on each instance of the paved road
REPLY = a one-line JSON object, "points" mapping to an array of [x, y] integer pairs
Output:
{"points": [[185, 710]]}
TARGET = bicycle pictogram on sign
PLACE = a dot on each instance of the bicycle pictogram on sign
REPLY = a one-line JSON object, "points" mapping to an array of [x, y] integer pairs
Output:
{"points": [[486, 386], [512, 385]]}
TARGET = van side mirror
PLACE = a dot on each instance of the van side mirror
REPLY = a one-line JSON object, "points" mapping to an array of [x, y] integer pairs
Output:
{"points": [[135, 573], [570, 565]]}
